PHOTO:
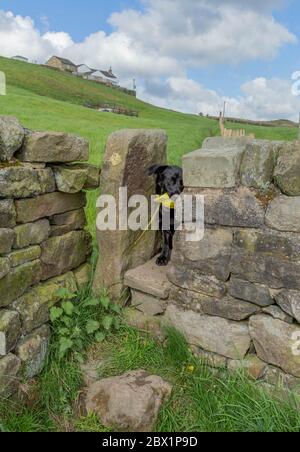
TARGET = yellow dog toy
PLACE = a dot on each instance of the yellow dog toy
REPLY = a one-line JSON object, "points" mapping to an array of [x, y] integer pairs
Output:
{"points": [[166, 201]]}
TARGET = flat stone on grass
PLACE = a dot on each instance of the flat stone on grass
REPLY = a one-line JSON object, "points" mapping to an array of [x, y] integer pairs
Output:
{"points": [[130, 402]]}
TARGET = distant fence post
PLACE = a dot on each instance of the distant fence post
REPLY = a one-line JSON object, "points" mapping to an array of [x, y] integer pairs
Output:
{"points": [[2, 84]]}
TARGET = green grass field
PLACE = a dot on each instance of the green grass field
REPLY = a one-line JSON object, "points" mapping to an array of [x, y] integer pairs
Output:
{"points": [[45, 99]]}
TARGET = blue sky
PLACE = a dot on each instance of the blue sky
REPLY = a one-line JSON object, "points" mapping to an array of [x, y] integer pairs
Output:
{"points": [[75, 17], [185, 55]]}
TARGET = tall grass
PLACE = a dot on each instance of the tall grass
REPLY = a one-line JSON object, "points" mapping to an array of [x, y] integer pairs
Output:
{"points": [[202, 400]]}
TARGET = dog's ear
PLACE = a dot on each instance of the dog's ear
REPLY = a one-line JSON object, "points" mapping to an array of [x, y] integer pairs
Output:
{"points": [[156, 169]]}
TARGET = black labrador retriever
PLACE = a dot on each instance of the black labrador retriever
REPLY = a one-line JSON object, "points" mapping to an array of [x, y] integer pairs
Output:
{"points": [[169, 179]]}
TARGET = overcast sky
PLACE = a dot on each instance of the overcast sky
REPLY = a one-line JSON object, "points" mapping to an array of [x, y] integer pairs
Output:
{"points": [[188, 55]]}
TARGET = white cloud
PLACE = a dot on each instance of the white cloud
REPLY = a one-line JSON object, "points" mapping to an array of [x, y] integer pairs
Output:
{"points": [[261, 98], [201, 32], [160, 44]]}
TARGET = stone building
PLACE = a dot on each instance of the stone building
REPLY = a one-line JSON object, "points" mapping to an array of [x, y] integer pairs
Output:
{"points": [[62, 64]]}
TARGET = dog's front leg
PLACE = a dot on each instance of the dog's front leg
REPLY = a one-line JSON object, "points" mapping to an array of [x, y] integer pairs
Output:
{"points": [[165, 256]]}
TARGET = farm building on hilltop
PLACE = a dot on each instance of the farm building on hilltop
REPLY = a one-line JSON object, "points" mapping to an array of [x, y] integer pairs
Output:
{"points": [[106, 77], [62, 64]]}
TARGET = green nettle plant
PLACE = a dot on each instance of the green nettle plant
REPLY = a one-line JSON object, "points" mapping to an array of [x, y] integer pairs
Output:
{"points": [[79, 321]]}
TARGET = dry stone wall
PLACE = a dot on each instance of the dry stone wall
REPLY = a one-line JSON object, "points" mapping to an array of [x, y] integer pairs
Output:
{"points": [[236, 294], [44, 245]]}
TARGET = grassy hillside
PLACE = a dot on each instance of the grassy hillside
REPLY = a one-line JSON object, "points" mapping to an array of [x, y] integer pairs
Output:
{"points": [[44, 99]]}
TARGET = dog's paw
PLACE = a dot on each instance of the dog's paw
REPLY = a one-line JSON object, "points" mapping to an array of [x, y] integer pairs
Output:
{"points": [[162, 261]]}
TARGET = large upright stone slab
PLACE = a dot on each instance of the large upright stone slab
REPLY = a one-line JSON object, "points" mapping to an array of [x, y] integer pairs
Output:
{"points": [[128, 155], [212, 168], [56, 147], [11, 137]]}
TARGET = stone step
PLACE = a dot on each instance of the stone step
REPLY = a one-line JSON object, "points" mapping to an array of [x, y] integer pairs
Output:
{"points": [[149, 279]]}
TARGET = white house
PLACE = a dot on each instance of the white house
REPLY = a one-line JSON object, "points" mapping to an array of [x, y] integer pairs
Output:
{"points": [[106, 77], [110, 77], [83, 69]]}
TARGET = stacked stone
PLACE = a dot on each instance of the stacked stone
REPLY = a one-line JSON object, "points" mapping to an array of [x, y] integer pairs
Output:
{"points": [[235, 294], [43, 242]]}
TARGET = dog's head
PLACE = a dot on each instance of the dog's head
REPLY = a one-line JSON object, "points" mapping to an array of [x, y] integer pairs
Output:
{"points": [[169, 179]]}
